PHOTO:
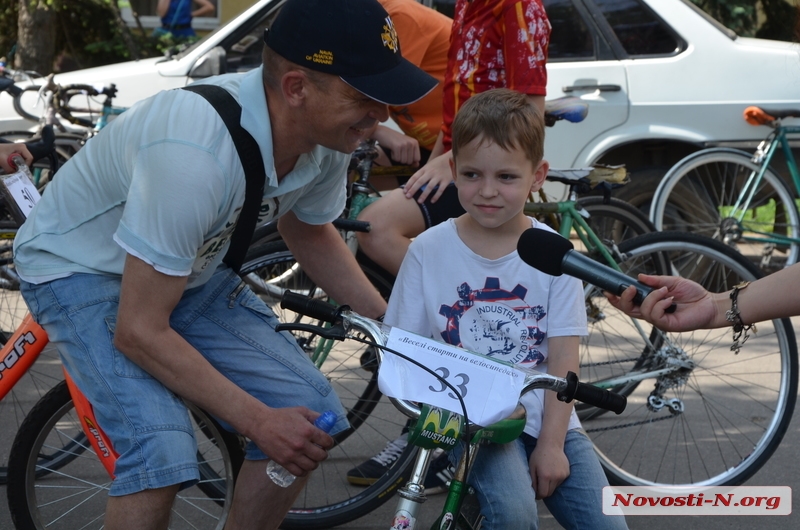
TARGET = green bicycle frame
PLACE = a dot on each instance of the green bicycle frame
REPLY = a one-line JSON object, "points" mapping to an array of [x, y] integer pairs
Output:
{"points": [[740, 208]]}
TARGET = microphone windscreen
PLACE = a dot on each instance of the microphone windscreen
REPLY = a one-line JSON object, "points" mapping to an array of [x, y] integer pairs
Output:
{"points": [[543, 250]]}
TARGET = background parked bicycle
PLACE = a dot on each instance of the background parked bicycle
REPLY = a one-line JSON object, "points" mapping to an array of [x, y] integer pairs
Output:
{"points": [[738, 197]]}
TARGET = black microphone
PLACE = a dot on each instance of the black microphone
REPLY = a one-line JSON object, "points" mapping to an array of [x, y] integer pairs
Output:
{"points": [[554, 255]]}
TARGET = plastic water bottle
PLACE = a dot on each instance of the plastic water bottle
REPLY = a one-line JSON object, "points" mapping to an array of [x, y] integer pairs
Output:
{"points": [[281, 476]]}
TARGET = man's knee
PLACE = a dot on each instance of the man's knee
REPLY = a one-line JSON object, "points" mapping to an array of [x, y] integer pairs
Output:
{"points": [[145, 509]]}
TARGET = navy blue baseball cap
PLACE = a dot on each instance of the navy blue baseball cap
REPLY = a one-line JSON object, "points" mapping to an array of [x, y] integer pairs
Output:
{"points": [[353, 39]]}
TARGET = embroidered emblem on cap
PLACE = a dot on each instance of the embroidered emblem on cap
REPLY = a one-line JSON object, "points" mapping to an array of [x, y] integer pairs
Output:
{"points": [[389, 36], [321, 57]]}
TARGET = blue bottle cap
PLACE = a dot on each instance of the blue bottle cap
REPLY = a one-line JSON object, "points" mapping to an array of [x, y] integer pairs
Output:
{"points": [[326, 421]]}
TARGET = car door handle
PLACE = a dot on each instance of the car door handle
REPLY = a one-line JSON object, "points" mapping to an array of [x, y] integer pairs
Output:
{"points": [[601, 88]]}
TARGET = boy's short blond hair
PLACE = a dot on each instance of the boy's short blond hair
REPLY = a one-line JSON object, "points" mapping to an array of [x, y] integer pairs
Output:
{"points": [[504, 117]]}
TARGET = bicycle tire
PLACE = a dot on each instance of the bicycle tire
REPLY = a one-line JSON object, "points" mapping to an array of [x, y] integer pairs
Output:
{"points": [[615, 220], [22, 103], [328, 499], [270, 270], [695, 194], [74, 496], [735, 407], [42, 376]]}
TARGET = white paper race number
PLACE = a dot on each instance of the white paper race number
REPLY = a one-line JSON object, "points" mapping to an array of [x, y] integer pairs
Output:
{"points": [[490, 390], [22, 190]]}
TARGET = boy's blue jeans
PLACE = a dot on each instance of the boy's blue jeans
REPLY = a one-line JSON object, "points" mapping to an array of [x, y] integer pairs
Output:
{"points": [[502, 480]]}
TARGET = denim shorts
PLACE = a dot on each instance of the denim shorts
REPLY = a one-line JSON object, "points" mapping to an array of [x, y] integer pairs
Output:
{"points": [[147, 424]]}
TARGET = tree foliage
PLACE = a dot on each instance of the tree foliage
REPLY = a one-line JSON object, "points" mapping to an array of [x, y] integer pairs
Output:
{"points": [[764, 19], [86, 34]]}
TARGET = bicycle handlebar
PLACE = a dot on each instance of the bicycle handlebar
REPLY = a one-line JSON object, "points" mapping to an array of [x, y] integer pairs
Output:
{"points": [[63, 95], [342, 318]]}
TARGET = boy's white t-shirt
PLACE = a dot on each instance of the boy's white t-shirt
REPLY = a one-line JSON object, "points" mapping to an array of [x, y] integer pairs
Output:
{"points": [[503, 308]]}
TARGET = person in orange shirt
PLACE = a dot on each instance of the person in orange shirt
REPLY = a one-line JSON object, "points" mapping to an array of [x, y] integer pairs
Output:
{"points": [[425, 37]]}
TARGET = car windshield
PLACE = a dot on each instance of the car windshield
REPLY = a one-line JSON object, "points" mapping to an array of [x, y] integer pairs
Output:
{"points": [[182, 49]]}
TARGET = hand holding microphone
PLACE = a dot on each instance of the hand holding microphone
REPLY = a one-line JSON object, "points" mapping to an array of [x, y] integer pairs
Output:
{"points": [[554, 255]]}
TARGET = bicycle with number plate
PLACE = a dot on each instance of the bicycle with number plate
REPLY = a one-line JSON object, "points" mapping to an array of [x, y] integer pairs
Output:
{"points": [[435, 428], [18, 398]]}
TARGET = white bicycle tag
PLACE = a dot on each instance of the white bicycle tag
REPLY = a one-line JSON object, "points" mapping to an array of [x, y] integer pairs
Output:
{"points": [[22, 191], [490, 390]]}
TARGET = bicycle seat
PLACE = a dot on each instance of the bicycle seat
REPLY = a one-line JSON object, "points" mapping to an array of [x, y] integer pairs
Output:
{"points": [[591, 176], [568, 108], [758, 116]]}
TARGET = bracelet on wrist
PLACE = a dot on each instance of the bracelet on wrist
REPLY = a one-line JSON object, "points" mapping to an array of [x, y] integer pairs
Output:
{"points": [[741, 331]]}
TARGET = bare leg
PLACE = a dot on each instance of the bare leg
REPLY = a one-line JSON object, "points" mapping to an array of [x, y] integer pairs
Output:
{"points": [[146, 510], [395, 220], [259, 503]]}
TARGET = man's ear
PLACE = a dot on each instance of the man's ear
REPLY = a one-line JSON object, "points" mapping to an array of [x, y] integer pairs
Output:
{"points": [[540, 175], [453, 167], [294, 85]]}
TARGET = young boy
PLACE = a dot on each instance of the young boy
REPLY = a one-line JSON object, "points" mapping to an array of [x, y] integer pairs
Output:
{"points": [[493, 44], [464, 282]]}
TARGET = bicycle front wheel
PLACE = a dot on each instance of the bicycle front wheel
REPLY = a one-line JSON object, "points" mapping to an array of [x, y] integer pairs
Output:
{"points": [[699, 194], [615, 221], [328, 498], [75, 495], [42, 376], [703, 415]]}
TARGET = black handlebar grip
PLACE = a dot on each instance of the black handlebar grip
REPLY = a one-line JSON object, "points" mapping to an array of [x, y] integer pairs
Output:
{"points": [[598, 397], [43, 146], [310, 307], [352, 225]]}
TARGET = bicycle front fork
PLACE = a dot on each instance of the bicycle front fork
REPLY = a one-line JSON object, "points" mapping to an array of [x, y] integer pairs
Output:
{"points": [[412, 494]]}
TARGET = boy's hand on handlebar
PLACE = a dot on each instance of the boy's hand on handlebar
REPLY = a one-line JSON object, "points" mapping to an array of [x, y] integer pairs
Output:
{"points": [[6, 150], [549, 467], [695, 305], [435, 176], [291, 439]]}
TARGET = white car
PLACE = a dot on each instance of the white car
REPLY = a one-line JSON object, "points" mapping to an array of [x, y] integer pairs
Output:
{"points": [[662, 79]]}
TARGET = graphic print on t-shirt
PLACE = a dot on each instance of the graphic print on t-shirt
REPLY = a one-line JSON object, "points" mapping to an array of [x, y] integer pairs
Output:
{"points": [[495, 322]]}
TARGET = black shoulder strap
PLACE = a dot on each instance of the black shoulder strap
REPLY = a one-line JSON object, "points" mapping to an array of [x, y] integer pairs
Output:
{"points": [[250, 156]]}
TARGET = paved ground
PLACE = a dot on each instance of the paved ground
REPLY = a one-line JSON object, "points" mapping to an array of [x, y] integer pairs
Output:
{"points": [[783, 469]]}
